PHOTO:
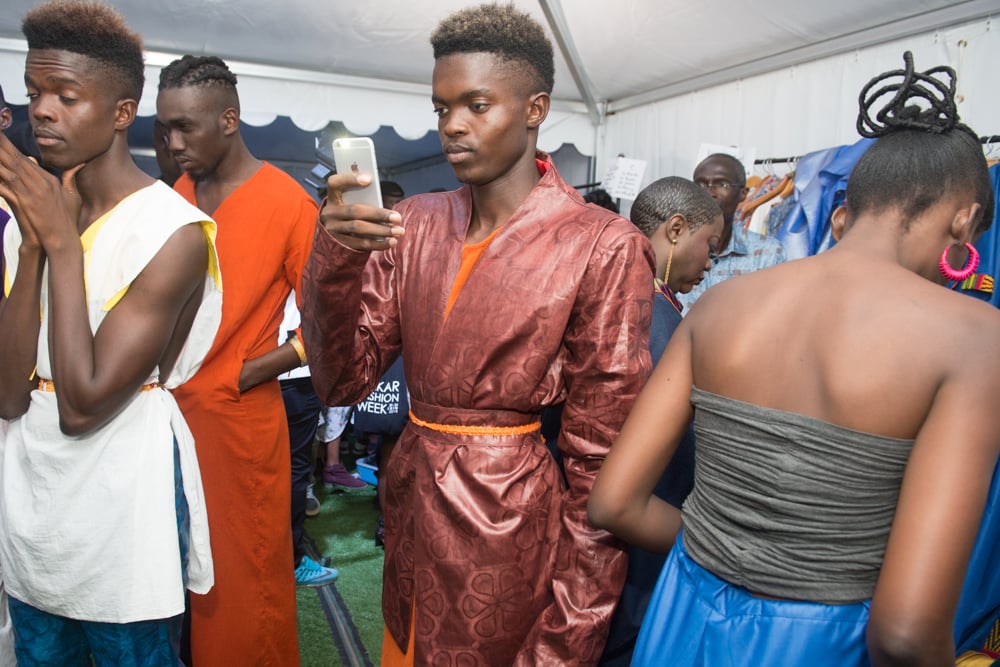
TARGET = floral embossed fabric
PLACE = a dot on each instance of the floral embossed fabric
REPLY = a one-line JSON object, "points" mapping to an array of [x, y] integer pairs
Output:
{"points": [[483, 540]]}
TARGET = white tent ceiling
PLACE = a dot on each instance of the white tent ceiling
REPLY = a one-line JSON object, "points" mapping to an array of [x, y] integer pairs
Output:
{"points": [[623, 53], [622, 67]]}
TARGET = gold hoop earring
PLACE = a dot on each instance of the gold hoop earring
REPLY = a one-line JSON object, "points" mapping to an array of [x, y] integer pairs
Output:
{"points": [[670, 258]]}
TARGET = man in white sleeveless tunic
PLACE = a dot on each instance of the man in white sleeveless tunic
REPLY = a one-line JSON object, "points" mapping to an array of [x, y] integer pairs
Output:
{"points": [[100, 494]]}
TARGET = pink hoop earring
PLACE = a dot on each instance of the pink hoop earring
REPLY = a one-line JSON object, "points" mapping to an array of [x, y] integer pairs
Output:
{"points": [[959, 275]]}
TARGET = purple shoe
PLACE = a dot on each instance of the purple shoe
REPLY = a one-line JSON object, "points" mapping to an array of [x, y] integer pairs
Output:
{"points": [[336, 477]]}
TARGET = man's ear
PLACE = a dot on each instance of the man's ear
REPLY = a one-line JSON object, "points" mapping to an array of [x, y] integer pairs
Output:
{"points": [[743, 194], [6, 118], [838, 222], [538, 109], [230, 121], [125, 111]]}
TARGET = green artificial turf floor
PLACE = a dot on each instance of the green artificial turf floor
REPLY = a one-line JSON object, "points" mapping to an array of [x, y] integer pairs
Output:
{"points": [[341, 625]]}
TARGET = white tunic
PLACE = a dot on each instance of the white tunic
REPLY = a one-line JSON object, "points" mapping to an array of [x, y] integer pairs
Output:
{"points": [[89, 522]]}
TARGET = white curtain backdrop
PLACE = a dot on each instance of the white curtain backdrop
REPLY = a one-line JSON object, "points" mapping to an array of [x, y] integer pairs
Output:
{"points": [[802, 108]]}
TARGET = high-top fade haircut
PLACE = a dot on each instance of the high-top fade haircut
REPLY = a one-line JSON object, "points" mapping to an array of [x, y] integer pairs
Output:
{"points": [[923, 153], [207, 72], [503, 31], [91, 29], [670, 196]]}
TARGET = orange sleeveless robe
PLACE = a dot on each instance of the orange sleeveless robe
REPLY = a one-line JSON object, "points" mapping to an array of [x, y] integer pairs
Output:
{"points": [[265, 236]]}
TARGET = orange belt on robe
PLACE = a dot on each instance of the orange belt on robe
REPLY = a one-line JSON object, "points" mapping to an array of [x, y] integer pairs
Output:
{"points": [[48, 385], [456, 429]]}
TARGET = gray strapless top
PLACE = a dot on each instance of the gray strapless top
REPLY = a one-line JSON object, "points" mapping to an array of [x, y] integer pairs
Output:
{"points": [[787, 505]]}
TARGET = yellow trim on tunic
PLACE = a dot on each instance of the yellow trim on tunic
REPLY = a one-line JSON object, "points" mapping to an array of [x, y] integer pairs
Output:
{"points": [[208, 228], [44, 384]]}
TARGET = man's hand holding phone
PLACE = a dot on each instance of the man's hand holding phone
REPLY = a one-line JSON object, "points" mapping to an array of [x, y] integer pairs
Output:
{"points": [[353, 212], [358, 226]]}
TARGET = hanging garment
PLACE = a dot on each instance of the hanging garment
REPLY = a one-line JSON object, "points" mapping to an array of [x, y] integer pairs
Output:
{"points": [[979, 606], [760, 193], [820, 181], [988, 246]]}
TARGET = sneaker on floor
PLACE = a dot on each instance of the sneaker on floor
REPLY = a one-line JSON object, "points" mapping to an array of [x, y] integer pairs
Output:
{"points": [[336, 476], [312, 502], [311, 574]]}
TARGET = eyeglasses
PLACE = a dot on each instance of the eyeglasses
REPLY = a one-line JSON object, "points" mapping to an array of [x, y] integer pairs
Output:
{"points": [[716, 186]]}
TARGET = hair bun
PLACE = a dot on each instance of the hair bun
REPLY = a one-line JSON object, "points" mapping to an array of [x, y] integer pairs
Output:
{"points": [[919, 101]]}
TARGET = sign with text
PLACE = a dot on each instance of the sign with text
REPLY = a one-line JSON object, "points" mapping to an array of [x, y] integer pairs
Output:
{"points": [[624, 178]]}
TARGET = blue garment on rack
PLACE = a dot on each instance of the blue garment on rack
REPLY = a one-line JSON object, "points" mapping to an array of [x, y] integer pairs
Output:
{"points": [[988, 244], [979, 606], [777, 216], [820, 181]]}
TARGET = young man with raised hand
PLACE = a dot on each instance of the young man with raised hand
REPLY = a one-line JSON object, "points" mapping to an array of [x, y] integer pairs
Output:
{"points": [[504, 296], [104, 522]]}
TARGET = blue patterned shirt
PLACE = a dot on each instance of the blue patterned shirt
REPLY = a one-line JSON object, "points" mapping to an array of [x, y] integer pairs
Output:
{"points": [[747, 252]]}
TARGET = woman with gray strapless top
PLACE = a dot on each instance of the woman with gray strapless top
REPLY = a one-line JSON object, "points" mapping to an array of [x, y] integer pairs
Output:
{"points": [[845, 415]]}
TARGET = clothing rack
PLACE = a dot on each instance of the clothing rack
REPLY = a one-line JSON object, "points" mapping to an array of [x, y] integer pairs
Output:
{"points": [[989, 139], [777, 160]]}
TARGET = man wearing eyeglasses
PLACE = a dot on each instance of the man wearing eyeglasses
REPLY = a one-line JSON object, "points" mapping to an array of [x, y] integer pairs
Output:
{"points": [[739, 252]]}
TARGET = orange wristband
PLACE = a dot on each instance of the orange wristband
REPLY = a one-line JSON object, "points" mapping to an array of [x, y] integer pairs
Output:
{"points": [[299, 350]]}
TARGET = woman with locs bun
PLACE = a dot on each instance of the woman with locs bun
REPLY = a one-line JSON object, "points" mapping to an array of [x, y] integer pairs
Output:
{"points": [[845, 420]]}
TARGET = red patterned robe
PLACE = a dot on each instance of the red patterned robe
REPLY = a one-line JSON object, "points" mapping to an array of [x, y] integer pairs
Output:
{"points": [[484, 542]]}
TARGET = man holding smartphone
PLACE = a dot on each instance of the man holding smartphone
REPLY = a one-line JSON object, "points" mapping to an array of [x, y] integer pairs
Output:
{"points": [[505, 296], [234, 403]]}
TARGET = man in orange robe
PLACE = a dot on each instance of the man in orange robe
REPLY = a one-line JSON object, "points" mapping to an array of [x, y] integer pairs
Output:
{"points": [[233, 403]]}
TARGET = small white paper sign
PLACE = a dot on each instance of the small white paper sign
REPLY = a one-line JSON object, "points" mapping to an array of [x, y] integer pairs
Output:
{"points": [[624, 178]]}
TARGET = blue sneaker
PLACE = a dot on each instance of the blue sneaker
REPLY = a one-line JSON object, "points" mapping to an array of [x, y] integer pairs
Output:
{"points": [[311, 574]]}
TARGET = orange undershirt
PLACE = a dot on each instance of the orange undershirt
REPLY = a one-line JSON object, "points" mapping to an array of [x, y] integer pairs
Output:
{"points": [[471, 253], [392, 656]]}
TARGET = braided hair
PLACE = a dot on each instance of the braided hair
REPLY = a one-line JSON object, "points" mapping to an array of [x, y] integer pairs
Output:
{"points": [[923, 153], [201, 72]]}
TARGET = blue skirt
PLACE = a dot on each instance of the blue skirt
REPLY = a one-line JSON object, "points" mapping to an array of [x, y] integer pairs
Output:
{"points": [[696, 618]]}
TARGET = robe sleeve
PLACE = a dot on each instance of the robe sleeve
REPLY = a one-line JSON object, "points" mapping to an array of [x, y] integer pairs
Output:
{"points": [[350, 318], [609, 362], [299, 244]]}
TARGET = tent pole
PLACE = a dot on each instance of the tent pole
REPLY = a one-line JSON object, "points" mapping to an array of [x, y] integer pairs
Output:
{"points": [[557, 23]]}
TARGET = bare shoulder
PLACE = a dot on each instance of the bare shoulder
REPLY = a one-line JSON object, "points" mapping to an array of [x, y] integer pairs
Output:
{"points": [[976, 330], [746, 292], [189, 238]]}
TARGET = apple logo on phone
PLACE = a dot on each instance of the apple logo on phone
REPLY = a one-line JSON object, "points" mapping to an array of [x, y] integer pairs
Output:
{"points": [[354, 167]]}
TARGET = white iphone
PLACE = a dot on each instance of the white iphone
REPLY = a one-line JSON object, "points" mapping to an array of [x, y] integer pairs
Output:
{"points": [[357, 154]]}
